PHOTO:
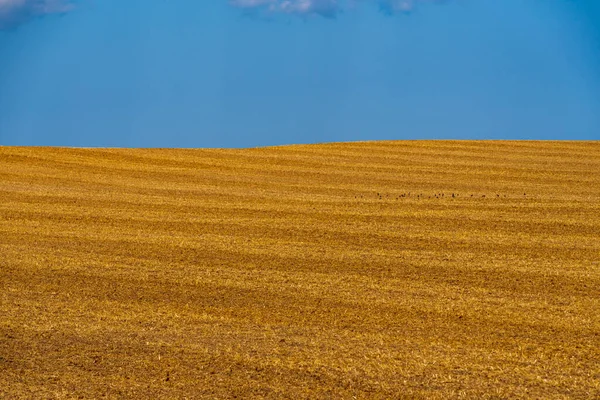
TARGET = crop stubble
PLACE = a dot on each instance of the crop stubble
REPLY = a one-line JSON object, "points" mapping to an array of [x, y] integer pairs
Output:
{"points": [[371, 270]]}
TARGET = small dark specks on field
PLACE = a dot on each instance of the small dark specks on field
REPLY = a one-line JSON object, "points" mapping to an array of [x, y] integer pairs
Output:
{"points": [[438, 195]]}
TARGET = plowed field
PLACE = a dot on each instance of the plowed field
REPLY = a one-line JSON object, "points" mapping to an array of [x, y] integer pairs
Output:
{"points": [[384, 270]]}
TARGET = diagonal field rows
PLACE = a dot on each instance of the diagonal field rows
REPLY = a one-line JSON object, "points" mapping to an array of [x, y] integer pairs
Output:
{"points": [[415, 269]]}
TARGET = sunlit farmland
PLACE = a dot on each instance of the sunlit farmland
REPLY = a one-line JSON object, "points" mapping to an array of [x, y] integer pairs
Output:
{"points": [[389, 270]]}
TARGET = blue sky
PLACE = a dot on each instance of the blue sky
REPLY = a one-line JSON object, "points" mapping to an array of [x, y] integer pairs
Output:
{"points": [[245, 73]]}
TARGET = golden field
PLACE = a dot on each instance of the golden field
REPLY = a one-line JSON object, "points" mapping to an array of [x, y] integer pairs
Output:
{"points": [[384, 270]]}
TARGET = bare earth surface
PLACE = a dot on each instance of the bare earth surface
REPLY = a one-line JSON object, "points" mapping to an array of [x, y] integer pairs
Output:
{"points": [[326, 271]]}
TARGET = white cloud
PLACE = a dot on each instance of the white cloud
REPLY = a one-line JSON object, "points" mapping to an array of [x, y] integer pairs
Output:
{"points": [[326, 8], [15, 12]]}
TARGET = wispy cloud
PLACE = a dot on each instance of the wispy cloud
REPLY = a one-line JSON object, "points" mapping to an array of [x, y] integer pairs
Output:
{"points": [[326, 8], [16, 12]]}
